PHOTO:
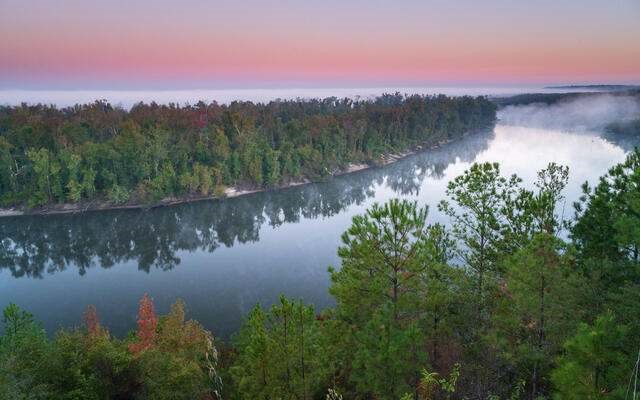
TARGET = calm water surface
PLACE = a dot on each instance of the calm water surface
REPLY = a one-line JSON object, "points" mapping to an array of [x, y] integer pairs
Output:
{"points": [[222, 257]]}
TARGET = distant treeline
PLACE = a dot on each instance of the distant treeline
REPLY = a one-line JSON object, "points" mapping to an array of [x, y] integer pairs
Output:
{"points": [[101, 152], [596, 87], [553, 98], [631, 127]]}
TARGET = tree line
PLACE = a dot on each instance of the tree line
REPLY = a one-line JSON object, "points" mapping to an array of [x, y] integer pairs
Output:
{"points": [[98, 152], [555, 98], [509, 300]]}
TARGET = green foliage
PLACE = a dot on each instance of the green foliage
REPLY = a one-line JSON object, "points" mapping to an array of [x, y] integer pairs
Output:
{"points": [[22, 349], [333, 395], [91, 367], [182, 362], [480, 195], [74, 188], [118, 195], [47, 182], [596, 365], [431, 383], [606, 234], [390, 260], [15, 320], [539, 304], [157, 151], [89, 363], [608, 217], [8, 174], [279, 353]]}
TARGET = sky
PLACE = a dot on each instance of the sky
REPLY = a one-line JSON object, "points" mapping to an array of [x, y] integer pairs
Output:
{"points": [[208, 44]]}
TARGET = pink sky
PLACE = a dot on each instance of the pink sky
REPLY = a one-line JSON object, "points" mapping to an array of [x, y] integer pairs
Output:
{"points": [[209, 44]]}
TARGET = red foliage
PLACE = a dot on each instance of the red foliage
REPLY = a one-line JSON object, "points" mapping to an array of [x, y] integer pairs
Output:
{"points": [[201, 120], [147, 323], [92, 321]]}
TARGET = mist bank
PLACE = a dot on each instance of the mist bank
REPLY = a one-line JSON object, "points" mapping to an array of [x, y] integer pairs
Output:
{"points": [[128, 98], [602, 87], [571, 111]]}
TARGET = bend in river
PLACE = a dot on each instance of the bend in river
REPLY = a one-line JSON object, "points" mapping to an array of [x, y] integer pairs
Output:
{"points": [[224, 256]]}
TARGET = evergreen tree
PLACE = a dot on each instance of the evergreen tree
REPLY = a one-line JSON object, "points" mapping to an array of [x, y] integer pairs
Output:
{"points": [[596, 364], [279, 353], [539, 305], [388, 261]]}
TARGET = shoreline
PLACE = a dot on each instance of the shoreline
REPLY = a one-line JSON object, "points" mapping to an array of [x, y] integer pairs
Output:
{"points": [[229, 192]]}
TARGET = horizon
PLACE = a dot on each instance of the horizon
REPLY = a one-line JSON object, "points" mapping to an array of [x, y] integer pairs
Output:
{"points": [[203, 45], [185, 97]]}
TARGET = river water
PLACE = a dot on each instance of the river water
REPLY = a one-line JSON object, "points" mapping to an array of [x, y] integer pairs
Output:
{"points": [[223, 257]]}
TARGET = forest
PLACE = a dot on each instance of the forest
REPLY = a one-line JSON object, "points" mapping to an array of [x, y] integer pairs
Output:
{"points": [[512, 299], [103, 154]]}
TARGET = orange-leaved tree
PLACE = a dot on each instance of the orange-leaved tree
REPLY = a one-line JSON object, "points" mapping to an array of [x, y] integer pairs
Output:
{"points": [[92, 321], [147, 324]]}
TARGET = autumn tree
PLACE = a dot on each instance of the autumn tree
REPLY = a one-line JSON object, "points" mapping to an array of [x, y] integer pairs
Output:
{"points": [[183, 361], [147, 324], [91, 321]]}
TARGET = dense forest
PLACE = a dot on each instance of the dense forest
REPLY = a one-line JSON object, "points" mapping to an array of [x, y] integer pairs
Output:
{"points": [[509, 300], [100, 153]]}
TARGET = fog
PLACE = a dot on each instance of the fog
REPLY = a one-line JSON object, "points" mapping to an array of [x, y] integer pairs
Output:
{"points": [[590, 112], [127, 98]]}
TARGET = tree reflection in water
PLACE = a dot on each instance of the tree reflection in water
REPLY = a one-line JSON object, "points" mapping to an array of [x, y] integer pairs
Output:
{"points": [[33, 246]]}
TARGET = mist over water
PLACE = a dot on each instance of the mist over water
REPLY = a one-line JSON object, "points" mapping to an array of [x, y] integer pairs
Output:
{"points": [[127, 98], [585, 113]]}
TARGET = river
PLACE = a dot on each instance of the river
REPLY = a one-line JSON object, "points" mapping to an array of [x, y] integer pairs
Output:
{"points": [[222, 257]]}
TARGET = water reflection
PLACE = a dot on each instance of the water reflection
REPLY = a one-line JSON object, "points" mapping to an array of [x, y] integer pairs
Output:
{"points": [[34, 246]]}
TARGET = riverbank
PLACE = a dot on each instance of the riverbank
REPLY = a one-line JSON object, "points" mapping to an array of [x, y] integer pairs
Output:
{"points": [[229, 192]]}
